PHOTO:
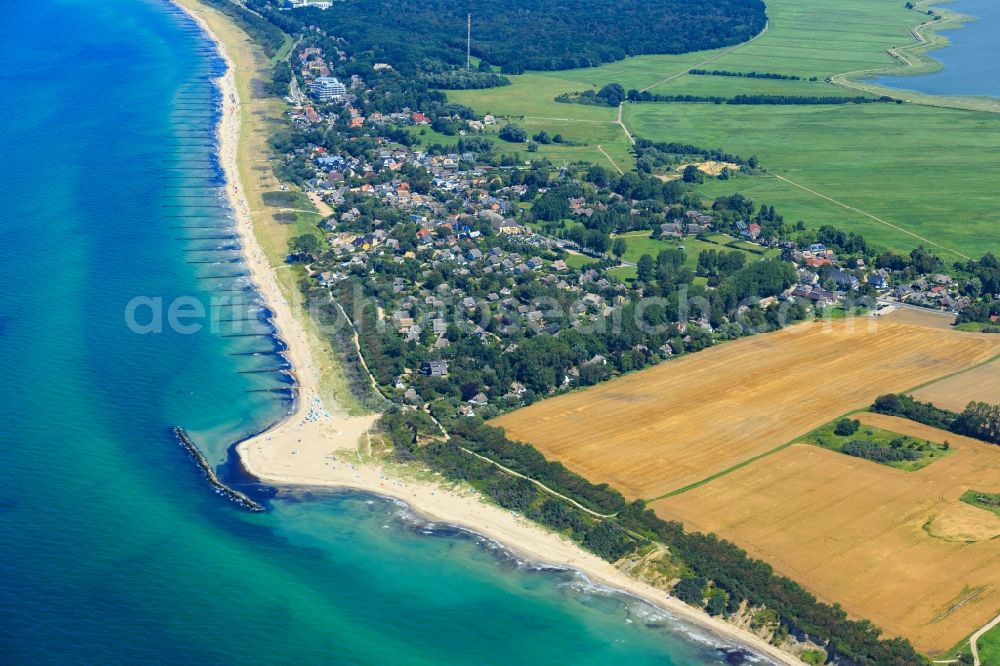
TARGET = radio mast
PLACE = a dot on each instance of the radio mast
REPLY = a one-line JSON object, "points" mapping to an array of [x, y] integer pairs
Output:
{"points": [[468, 41]]}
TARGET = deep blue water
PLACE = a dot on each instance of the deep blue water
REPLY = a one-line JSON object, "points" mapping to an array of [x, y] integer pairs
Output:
{"points": [[971, 60], [112, 547]]}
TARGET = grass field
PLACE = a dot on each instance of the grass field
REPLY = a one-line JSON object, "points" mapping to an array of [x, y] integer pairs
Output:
{"points": [[898, 548], [925, 172], [529, 103], [981, 384], [989, 647], [985, 501], [640, 243], [815, 38], [577, 260], [673, 425], [827, 438]]}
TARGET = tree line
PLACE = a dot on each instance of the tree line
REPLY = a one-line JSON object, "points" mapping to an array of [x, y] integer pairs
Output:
{"points": [[463, 79], [979, 420], [269, 35], [634, 95], [748, 75]]}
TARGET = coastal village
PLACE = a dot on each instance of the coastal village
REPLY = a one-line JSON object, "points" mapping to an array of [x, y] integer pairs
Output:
{"points": [[632, 333], [452, 244], [470, 289]]}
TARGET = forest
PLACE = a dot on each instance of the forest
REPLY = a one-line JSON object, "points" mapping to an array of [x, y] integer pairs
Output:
{"points": [[527, 34]]}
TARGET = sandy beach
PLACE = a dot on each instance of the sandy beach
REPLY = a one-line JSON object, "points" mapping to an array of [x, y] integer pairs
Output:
{"points": [[317, 444]]}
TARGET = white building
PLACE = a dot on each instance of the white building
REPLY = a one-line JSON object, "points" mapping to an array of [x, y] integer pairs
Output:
{"points": [[327, 88]]}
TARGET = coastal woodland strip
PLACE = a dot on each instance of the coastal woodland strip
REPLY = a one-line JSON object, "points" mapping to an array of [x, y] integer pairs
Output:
{"points": [[716, 569], [978, 420], [264, 32], [527, 34]]}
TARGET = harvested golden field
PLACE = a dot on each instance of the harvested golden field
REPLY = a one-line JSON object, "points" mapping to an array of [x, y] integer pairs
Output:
{"points": [[666, 427], [895, 547], [981, 384]]}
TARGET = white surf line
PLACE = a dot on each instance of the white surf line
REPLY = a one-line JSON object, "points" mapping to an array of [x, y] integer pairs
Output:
{"points": [[869, 215], [705, 62], [976, 636], [613, 163]]}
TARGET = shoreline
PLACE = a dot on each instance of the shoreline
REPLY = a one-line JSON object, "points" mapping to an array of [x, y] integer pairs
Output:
{"points": [[310, 448], [914, 59]]}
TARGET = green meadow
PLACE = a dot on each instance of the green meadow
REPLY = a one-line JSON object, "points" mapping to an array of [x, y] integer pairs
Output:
{"points": [[816, 38], [989, 646], [929, 174], [902, 175], [640, 242]]}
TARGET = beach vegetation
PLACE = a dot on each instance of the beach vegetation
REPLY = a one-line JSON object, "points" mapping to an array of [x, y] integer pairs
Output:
{"points": [[263, 31]]}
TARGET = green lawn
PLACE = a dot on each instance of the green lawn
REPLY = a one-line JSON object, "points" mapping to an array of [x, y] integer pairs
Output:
{"points": [[819, 38], [727, 86], [989, 647], [640, 243], [987, 501], [929, 171], [574, 260], [826, 438]]}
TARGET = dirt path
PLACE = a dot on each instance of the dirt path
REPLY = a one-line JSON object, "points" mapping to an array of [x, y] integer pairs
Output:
{"points": [[869, 215], [707, 60], [541, 485], [613, 163], [618, 120], [974, 639]]}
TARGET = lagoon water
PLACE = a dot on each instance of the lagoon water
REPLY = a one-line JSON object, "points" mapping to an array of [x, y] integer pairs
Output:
{"points": [[971, 60], [112, 547]]}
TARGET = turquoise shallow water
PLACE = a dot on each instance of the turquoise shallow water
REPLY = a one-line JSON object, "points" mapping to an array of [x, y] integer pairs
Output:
{"points": [[112, 547], [971, 60]]}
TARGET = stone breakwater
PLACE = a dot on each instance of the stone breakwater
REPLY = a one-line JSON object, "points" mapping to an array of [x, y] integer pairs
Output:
{"points": [[213, 479]]}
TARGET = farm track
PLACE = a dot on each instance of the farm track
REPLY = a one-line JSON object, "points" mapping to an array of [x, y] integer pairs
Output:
{"points": [[869, 215], [706, 61]]}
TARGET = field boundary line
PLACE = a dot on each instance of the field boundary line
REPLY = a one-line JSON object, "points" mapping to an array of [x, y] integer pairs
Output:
{"points": [[705, 62], [541, 485], [991, 359], [974, 639], [869, 215], [613, 163], [720, 474], [798, 439]]}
